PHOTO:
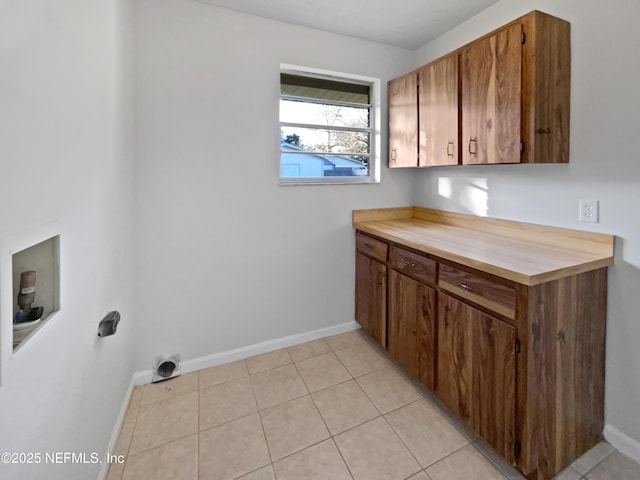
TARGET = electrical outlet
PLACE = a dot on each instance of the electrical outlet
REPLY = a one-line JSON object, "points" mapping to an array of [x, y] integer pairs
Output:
{"points": [[589, 211]]}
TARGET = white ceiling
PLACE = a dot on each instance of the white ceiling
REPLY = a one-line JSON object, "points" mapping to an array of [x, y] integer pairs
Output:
{"points": [[403, 23]]}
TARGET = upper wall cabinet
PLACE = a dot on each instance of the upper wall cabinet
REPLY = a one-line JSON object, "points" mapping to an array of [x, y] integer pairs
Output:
{"points": [[438, 112], [491, 94], [403, 121], [503, 98]]}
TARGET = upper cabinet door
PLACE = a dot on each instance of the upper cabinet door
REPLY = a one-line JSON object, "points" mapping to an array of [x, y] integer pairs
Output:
{"points": [[438, 112], [491, 98], [403, 121]]}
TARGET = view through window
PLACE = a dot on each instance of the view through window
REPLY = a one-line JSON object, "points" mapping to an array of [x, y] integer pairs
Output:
{"points": [[326, 129]]}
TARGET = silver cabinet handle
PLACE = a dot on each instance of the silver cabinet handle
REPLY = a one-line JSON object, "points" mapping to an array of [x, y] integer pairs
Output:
{"points": [[407, 263], [393, 154], [464, 286]]}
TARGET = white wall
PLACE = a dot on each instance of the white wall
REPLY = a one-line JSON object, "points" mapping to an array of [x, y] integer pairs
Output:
{"points": [[65, 169], [225, 256], [604, 165]]}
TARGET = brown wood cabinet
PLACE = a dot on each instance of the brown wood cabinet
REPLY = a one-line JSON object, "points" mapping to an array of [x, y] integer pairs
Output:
{"points": [[476, 371], [411, 335], [491, 93], [438, 112], [508, 91], [371, 294], [371, 287], [522, 364], [403, 121]]}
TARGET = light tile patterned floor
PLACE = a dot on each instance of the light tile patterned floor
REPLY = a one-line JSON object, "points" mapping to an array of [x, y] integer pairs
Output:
{"points": [[332, 409]]}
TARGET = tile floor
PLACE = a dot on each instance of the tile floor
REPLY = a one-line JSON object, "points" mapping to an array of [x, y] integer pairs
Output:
{"points": [[336, 409]]}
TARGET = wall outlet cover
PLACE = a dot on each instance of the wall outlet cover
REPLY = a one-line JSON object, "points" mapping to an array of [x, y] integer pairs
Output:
{"points": [[589, 210]]}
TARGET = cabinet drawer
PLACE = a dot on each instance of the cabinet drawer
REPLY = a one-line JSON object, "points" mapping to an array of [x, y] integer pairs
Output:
{"points": [[494, 296], [372, 247], [413, 265]]}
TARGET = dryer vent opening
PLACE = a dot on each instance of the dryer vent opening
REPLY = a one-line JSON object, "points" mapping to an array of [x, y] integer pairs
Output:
{"points": [[166, 368]]}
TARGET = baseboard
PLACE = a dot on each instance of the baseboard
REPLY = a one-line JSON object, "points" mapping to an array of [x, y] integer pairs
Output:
{"points": [[104, 470], [624, 443], [144, 377]]}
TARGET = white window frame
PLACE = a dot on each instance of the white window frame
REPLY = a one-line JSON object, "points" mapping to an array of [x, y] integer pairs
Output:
{"points": [[375, 115]]}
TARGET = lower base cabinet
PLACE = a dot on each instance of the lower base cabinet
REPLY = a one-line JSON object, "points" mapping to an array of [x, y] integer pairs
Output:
{"points": [[371, 297], [476, 371], [521, 365], [411, 335]]}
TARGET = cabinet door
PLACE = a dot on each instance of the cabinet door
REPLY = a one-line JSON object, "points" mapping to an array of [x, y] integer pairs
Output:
{"points": [[371, 297], [476, 371], [491, 98], [493, 379], [411, 333], [403, 121], [438, 112], [454, 355]]}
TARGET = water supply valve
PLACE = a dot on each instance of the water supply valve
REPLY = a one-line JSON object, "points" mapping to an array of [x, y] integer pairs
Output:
{"points": [[109, 324]]}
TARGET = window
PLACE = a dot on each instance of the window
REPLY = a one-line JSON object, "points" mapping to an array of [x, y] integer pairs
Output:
{"points": [[328, 127]]}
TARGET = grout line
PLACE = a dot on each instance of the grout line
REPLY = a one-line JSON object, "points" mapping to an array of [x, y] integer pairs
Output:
{"points": [[333, 440], [359, 424], [268, 368], [446, 456], [369, 398], [331, 386], [204, 387], [346, 346], [223, 383], [356, 426], [254, 471], [266, 442], [312, 356], [168, 399], [264, 433], [133, 430], [198, 433], [584, 475], [393, 430], [418, 400], [251, 377], [226, 422], [302, 378], [347, 368], [165, 443], [166, 382], [173, 439], [321, 417], [417, 473]]}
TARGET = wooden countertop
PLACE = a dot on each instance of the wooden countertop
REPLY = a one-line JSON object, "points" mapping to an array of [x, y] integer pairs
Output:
{"points": [[522, 252]]}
